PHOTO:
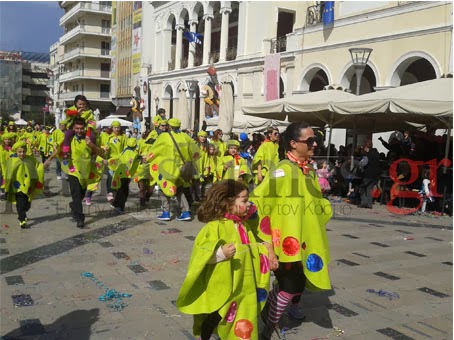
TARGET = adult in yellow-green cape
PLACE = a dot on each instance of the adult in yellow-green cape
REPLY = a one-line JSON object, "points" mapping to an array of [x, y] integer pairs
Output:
{"points": [[228, 273], [266, 156], [143, 177], [165, 165], [24, 180], [81, 169], [293, 215]]}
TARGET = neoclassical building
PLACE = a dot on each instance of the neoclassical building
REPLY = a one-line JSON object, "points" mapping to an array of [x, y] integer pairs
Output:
{"points": [[411, 41]]}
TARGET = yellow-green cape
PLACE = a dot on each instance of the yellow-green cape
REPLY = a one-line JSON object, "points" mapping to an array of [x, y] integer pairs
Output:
{"points": [[236, 288], [293, 215], [23, 175], [165, 161], [266, 155]]}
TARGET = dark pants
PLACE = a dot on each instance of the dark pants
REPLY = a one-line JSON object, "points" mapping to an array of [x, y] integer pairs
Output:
{"points": [[209, 324], [290, 277], [109, 182], [58, 167], [144, 190], [77, 195], [122, 194], [43, 156], [365, 192], [22, 205]]}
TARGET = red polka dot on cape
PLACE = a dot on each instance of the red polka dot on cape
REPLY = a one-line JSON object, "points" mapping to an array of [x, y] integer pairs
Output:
{"points": [[290, 246], [265, 225]]}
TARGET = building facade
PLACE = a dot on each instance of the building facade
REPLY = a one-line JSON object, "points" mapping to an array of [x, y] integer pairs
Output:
{"points": [[411, 41], [24, 79], [83, 55]]}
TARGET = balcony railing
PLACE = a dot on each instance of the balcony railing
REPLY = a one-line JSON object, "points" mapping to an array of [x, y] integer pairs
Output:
{"points": [[231, 53], [214, 57], [87, 73], [85, 29], [278, 45], [171, 65], [198, 60], [91, 95], [184, 63], [95, 52], [85, 6], [314, 15]]}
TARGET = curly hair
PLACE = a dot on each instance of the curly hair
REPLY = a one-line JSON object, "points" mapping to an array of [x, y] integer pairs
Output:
{"points": [[219, 199]]}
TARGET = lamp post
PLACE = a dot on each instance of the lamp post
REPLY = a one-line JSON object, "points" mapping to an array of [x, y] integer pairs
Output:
{"points": [[192, 86], [360, 57]]}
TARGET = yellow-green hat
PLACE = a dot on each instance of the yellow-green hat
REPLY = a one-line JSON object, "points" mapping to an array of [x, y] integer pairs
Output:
{"points": [[17, 145], [202, 134], [174, 122], [115, 123], [233, 142], [131, 142], [11, 123], [162, 122], [8, 135]]}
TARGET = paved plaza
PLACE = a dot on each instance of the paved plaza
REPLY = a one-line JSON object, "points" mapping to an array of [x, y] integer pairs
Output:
{"points": [[391, 274]]}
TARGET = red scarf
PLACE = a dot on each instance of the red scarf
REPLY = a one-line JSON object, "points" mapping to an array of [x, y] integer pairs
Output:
{"points": [[237, 159], [305, 166], [239, 220]]}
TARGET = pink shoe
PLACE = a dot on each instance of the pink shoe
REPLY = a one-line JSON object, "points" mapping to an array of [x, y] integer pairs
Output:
{"points": [[87, 201], [110, 197]]}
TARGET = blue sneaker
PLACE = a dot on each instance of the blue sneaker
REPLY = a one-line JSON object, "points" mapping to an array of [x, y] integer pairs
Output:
{"points": [[185, 216], [165, 216]]}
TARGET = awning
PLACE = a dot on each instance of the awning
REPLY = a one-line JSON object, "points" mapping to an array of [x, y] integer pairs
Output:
{"points": [[122, 111]]}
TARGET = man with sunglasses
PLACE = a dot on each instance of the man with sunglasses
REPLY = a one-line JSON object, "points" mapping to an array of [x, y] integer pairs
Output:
{"points": [[267, 155], [292, 217]]}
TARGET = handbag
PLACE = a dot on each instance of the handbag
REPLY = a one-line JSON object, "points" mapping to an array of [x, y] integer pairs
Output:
{"points": [[187, 169]]}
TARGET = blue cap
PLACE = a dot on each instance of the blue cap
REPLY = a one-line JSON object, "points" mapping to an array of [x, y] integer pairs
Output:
{"points": [[243, 136]]}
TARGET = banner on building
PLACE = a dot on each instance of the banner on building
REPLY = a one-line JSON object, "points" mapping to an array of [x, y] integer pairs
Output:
{"points": [[272, 76], [136, 36], [144, 88]]}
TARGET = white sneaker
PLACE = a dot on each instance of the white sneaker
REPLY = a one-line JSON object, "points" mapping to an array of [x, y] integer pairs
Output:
{"points": [[110, 197], [59, 178]]}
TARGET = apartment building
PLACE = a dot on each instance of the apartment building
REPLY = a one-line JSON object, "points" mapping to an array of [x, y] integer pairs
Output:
{"points": [[23, 83], [410, 41], [82, 59]]}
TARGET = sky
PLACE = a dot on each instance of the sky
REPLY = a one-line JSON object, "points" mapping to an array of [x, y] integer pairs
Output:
{"points": [[29, 26]]}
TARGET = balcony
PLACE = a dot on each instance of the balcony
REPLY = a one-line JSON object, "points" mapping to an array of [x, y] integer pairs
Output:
{"points": [[85, 29], [26, 91], [184, 63], [214, 57], [231, 53], [314, 15], [85, 7], [278, 45], [171, 65], [85, 52], [91, 95], [87, 73]]}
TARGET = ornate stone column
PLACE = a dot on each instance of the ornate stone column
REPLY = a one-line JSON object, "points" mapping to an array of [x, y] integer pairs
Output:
{"points": [[179, 47], [192, 45], [207, 38], [225, 12]]}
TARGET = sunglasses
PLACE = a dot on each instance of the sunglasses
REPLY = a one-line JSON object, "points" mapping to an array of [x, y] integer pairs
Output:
{"points": [[310, 141], [275, 133]]}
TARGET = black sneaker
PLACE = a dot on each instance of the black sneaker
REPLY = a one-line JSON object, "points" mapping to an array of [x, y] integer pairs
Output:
{"points": [[270, 330], [80, 224]]}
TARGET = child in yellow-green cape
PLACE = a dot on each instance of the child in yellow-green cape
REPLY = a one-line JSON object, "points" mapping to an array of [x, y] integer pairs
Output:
{"points": [[235, 167], [228, 273], [24, 180], [126, 167]]}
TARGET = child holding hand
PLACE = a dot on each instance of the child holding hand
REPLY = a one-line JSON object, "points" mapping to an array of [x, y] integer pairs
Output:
{"points": [[228, 273]]}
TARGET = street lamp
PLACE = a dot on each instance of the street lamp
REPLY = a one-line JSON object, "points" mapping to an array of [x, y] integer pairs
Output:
{"points": [[192, 86], [360, 57]]}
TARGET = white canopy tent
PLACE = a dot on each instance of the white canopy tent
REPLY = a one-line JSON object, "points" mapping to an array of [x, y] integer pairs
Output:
{"points": [[109, 119], [243, 123]]}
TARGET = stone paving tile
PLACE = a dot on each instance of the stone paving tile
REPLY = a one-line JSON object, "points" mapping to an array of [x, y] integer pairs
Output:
{"points": [[59, 290]]}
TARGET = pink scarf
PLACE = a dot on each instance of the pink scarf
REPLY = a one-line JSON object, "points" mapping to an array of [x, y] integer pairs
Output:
{"points": [[241, 229]]}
